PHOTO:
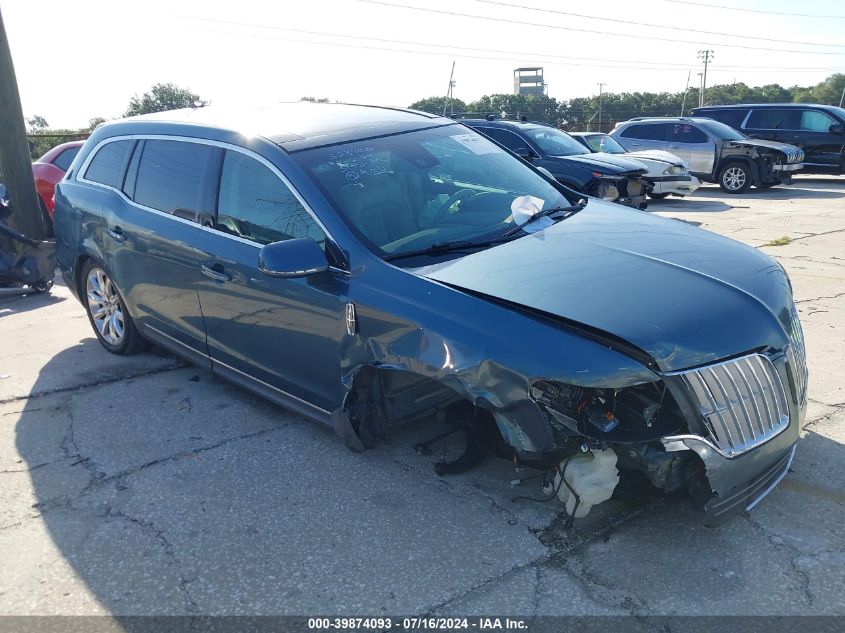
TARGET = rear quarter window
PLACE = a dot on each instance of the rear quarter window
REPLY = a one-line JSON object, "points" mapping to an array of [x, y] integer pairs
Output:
{"points": [[64, 159], [106, 167]]}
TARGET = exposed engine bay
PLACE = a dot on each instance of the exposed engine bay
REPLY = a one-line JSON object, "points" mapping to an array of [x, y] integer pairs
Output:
{"points": [[600, 434]]}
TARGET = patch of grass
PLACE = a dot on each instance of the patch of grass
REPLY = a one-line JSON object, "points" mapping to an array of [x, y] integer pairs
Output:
{"points": [[781, 241]]}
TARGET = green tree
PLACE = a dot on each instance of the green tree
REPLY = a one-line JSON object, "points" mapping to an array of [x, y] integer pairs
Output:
{"points": [[828, 92], [37, 124], [162, 97], [434, 105], [93, 122], [536, 108]]}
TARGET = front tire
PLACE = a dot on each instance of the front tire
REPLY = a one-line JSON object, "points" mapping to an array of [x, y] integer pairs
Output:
{"points": [[107, 312], [735, 177]]}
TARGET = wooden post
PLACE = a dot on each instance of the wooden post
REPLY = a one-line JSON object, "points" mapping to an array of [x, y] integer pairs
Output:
{"points": [[14, 150]]}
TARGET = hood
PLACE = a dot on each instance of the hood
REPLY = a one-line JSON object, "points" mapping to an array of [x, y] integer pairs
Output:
{"points": [[608, 163], [657, 156], [684, 296], [794, 154]]}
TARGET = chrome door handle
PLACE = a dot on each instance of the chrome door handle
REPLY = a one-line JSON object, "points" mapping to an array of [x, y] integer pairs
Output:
{"points": [[215, 274], [116, 234]]}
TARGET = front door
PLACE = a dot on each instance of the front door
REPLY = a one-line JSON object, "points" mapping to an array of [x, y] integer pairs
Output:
{"points": [[821, 145], [693, 146], [279, 335]]}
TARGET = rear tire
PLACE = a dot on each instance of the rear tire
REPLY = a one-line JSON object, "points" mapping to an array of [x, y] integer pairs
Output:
{"points": [[658, 196], [735, 177], [107, 312], [48, 221]]}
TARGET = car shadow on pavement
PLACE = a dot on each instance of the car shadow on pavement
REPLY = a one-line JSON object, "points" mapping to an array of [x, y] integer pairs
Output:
{"points": [[32, 301], [177, 493]]}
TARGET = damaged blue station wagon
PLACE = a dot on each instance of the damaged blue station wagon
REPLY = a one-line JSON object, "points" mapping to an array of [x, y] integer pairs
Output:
{"points": [[370, 266]]}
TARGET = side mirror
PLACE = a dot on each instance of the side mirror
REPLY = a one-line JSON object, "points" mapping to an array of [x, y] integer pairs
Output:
{"points": [[292, 258], [837, 128], [525, 153]]}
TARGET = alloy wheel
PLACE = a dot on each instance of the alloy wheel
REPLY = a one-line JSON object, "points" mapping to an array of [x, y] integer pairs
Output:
{"points": [[104, 306], [734, 178]]}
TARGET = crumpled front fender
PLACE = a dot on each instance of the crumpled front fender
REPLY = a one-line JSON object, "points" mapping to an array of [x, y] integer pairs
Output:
{"points": [[490, 356]]}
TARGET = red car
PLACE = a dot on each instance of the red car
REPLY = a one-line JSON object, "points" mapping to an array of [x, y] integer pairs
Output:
{"points": [[51, 168]]}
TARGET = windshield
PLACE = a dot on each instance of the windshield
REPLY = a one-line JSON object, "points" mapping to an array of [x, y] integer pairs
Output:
{"points": [[555, 142], [722, 131], [840, 112], [605, 143], [406, 192]]}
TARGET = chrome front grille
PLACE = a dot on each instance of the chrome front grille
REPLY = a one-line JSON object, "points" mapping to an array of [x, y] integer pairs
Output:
{"points": [[742, 401], [796, 356]]}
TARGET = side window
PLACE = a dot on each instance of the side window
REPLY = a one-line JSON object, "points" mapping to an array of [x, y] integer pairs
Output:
{"points": [[254, 203], [653, 132], [64, 159], [170, 176], [774, 119], [815, 121], [107, 164], [686, 133], [732, 117], [506, 138], [632, 131]]}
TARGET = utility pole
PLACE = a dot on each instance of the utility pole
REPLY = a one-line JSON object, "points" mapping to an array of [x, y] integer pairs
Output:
{"points": [[842, 98], [601, 86], [14, 150], [686, 90], [706, 56], [448, 99], [700, 91]]}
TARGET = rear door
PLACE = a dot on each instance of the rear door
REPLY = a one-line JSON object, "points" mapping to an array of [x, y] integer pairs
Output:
{"points": [[691, 144], [281, 336], [168, 182], [645, 136], [774, 124]]}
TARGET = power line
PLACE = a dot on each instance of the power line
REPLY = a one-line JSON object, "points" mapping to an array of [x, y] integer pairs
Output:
{"points": [[519, 54], [721, 6], [655, 26], [594, 32], [447, 53]]}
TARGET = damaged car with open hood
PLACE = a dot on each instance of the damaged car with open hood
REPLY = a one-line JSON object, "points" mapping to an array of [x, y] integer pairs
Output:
{"points": [[369, 267]]}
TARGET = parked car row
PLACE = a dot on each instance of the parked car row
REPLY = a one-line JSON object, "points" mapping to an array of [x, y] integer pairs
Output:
{"points": [[819, 130], [654, 157], [369, 267], [714, 151]]}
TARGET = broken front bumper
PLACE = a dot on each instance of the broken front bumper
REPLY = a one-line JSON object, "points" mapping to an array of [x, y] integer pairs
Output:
{"points": [[740, 470], [678, 185]]}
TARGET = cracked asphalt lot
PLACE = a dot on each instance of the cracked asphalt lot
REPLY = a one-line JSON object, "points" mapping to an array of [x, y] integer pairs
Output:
{"points": [[146, 486]]}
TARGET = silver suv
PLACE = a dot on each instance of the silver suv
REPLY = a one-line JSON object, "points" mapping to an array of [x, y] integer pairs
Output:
{"points": [[714, 152]]}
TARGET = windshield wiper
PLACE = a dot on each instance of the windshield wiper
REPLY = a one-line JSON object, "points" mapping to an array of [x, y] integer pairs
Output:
{"points": [[447, 247], [569, 211]]}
